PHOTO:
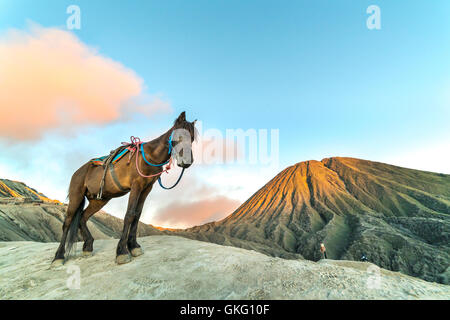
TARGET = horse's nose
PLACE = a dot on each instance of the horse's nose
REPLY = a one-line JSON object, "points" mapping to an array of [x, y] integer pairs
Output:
{"points": [[184, 165]]}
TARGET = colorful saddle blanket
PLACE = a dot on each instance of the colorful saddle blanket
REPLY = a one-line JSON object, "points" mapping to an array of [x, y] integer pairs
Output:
{"points": [[101, 160]]}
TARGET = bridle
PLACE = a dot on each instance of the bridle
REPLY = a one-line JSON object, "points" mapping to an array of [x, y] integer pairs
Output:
{"points": [[136, 145]]}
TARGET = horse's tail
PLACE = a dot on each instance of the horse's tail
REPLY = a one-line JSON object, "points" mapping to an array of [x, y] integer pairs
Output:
{"points": [[72, 234]]}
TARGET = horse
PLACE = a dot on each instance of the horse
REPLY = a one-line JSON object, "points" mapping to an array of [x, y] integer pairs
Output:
{"points": [[135, 177]]}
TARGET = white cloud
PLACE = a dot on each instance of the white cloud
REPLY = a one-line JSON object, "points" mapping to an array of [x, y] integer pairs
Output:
{"points": [[433, 157]]}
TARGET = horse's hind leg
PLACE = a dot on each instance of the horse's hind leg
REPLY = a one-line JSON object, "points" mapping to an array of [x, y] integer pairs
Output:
{"points": [[75, 202], [94, 206]]}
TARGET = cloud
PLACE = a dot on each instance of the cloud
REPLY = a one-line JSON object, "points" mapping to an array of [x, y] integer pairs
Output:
{"points": [[49, 80], [192, 202], [430, 157], [187, 214], [146, 105]]}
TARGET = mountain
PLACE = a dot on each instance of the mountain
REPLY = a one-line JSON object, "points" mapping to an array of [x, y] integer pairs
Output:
{"points": [[42, 222], [16, 191], [28, 215], [399, 218], [178, 268]]}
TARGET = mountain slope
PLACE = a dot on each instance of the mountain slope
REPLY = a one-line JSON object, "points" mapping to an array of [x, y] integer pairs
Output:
{"points": [[177, 268], [43, 223], [399, 218], [10, 190], [28, 215]]}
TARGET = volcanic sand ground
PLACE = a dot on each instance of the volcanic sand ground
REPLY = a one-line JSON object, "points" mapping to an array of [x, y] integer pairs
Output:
{"points": [[178, 268]]}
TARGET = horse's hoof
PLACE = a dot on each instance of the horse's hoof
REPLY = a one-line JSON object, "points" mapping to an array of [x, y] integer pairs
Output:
{"points": [[136, 252], [123, 258], [57, 263], [87, 253]]}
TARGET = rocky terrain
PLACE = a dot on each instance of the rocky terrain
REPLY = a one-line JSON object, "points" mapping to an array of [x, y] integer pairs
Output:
{"points": [[43, 223], [26, 214], [399, 218], [178, 268]]}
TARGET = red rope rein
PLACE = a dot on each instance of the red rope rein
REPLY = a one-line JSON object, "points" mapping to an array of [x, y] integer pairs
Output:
{"points": [[134, 146]]}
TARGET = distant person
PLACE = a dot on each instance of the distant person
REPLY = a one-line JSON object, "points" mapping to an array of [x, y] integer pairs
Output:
{"points": [[323, 250], [364, 258]]}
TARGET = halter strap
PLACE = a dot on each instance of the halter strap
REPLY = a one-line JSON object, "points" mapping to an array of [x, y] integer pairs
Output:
{"points": [[137, 145], [148, 162]]}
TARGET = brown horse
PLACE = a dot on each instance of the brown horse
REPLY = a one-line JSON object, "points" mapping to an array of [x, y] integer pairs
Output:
{"points": [[120, 179]]}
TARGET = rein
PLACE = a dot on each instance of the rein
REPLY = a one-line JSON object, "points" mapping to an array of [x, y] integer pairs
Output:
{"points": [[168, 188], [136, 145]]}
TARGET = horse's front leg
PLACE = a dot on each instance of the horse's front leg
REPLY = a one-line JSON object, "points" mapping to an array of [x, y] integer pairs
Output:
{"points": [[122, 253], [133, 246]]}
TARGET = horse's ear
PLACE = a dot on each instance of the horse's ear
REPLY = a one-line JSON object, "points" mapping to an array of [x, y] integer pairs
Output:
{"points": [[182, 117], [193, 122]]}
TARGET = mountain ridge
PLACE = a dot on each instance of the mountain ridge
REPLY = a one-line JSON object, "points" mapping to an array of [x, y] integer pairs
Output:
{"points": [[11, 190], [29, 215], [398, 217]]}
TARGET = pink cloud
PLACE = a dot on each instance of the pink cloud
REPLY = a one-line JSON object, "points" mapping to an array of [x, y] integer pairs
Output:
{"points": [[187, 214], [49, 79]]}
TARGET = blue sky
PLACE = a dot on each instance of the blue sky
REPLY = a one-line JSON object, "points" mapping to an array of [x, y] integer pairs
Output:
{"points": [[311, 69]]}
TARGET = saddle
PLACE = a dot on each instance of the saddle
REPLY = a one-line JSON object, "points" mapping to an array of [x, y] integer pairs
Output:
{"points": [[115, 155], [107, 162]]}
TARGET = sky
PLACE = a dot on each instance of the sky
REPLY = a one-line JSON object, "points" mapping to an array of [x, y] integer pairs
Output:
{"points": [[310, 70]]}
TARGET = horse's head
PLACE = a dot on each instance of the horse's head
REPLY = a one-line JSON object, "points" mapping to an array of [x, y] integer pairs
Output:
{"points": [[183, 135]]}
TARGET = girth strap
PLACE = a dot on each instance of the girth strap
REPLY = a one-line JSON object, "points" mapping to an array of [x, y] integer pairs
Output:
{"points": [[107, 164], [116, 179]]}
